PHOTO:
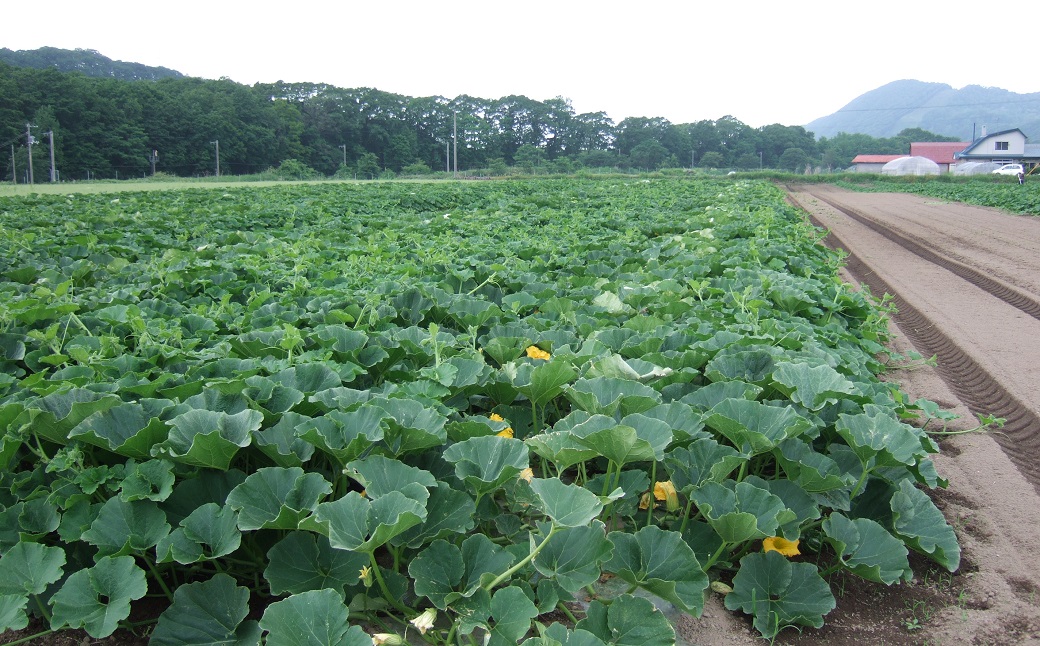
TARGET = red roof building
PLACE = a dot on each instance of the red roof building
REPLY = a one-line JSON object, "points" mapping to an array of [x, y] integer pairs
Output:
{"points": [[871, 163], [940, 152]]}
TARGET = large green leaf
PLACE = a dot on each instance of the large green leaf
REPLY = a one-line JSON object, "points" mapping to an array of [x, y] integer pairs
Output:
{"points": [[207, 612], [610, 396], [881, 438], [811, 386], [151, 480], [486, 463], [356, 523], [867, 549], [207, 533], [560, 635], [380, 475], [281, 444], [813, 471], [127, 527], [130, 429], [410, 426], [447, 512], [561, 448], [512, 612], [754, 427], [98, 598], [573, 556], [28, 568], [660, 562], [208, 438], [344, 435], [53, 416], [306, 561], [922, 527], [778, 593], [437, 572], [567, 504], [740, 511], [12, 612], [704, 460], [545, 382], [277, 497], [628, 621], [308, 378], [313, 618]]}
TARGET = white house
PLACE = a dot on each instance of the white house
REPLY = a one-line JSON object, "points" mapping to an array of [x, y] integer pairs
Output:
{"points": [[1004, 147]]}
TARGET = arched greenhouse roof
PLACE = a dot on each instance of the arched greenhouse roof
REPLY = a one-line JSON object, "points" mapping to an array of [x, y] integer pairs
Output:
{"points": [[910, 166]]}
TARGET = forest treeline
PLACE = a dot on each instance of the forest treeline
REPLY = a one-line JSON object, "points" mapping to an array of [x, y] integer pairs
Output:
{"points": [[109, 128]]}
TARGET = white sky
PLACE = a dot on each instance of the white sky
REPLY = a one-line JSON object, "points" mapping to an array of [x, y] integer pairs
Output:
{"points": [[761, 62]]}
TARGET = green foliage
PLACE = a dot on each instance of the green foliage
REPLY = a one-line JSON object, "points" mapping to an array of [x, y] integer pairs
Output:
{"points": [[453, 404]]}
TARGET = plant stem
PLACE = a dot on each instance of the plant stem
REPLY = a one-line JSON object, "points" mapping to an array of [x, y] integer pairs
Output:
{"points": [[567, 611], [859, 484], [527, 559], [715, 556], [30, 638], [158, 577], [383, 587], [653, 482], [686, 515]]}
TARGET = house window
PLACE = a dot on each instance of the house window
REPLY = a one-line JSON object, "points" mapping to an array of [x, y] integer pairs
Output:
{"points": [[1000, 145]]}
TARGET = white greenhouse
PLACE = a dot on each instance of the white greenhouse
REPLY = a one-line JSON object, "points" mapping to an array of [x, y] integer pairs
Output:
{"points": [[910, 166], [975, 168]]}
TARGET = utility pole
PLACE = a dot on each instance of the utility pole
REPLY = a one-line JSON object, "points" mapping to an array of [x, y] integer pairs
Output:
{"points": [[14, 170], [28, 144], [50, 138], [344, 147], [455, 140], [153, 158], [217, 142]]}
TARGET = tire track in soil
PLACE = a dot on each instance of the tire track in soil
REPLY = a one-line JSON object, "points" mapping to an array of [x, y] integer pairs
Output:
{"points": [[979, 390]]}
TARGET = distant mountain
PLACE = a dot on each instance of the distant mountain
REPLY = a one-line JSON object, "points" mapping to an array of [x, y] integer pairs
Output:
{"points": [[88, 61], [935, 107]]}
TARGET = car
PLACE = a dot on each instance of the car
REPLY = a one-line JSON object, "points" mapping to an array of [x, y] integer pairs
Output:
{"points": [[1009, 169]]}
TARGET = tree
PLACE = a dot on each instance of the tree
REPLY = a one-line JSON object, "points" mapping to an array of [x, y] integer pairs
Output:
{"points": [[368, 166], [711, 159], [528, 157], [649, 154], [794, 159]]}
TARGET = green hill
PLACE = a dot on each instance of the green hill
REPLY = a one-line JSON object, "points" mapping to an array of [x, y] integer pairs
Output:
{"points": [[935, 107], [87, 61]]}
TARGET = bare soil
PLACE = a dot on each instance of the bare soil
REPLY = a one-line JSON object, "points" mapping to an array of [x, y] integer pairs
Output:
{"points": [[966, 282]]}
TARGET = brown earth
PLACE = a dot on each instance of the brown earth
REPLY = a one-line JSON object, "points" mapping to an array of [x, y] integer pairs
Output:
{"points": [[966, 282]]}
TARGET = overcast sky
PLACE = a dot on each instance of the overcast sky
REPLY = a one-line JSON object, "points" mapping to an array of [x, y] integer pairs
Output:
{"points": [[761, 62]]}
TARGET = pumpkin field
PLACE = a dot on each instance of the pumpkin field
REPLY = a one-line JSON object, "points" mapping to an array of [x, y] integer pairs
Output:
{"points": [[531, 411]]}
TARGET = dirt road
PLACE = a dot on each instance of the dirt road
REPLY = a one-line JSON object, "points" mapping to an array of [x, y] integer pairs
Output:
{"points": [[966, 283]]}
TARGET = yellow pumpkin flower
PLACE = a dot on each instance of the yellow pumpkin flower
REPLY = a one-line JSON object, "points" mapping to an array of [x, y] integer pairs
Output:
{"points": [[366, 576], [535, 352], [389, 639], [644, 501], [666, 491], [507, 431], [782, 545], [527, 474]]}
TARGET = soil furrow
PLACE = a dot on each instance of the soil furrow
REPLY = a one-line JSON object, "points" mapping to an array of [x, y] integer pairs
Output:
{"points": [[972, 383]]}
